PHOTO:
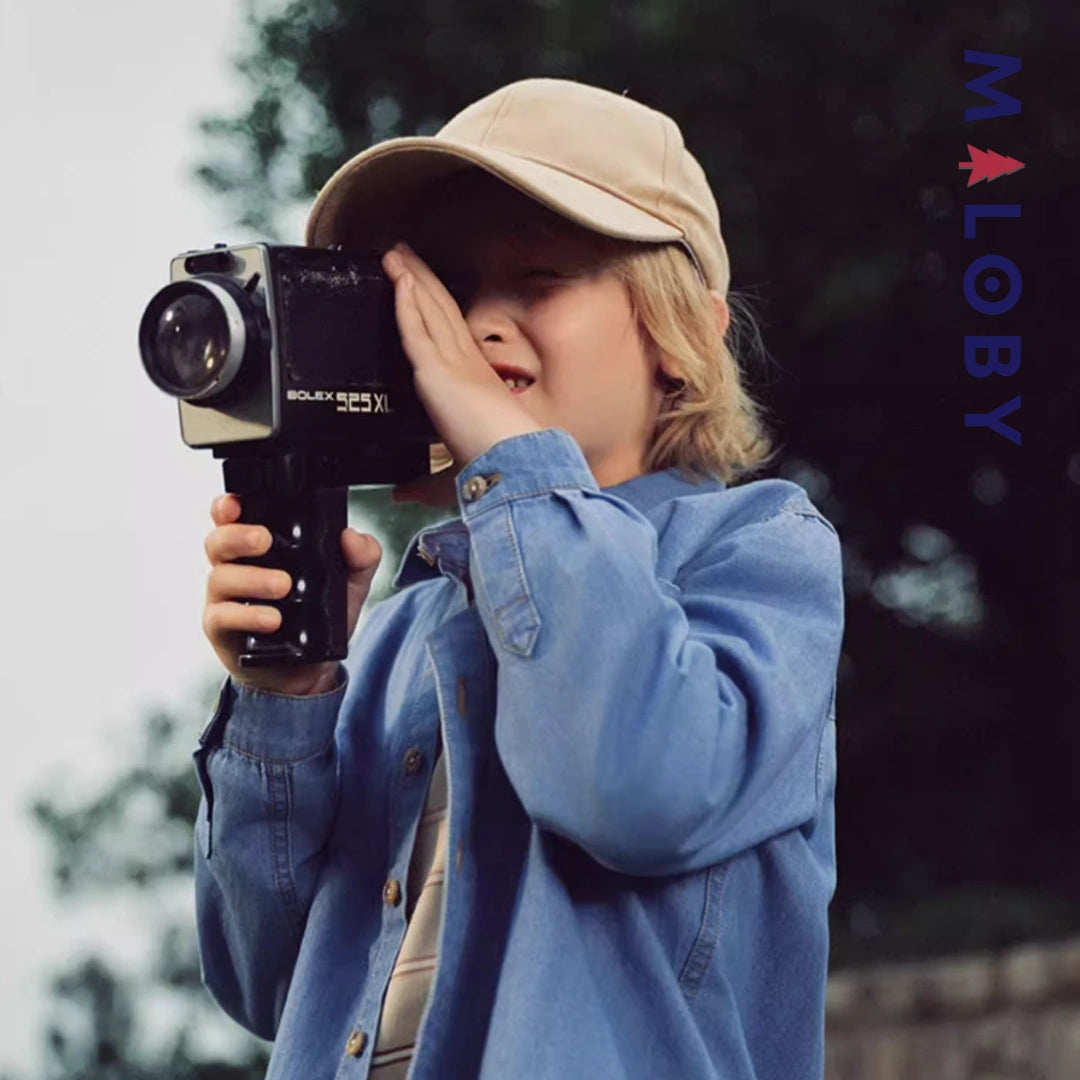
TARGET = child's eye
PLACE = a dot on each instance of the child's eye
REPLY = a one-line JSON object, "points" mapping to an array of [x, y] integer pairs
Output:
{"points": [[541, 272]]}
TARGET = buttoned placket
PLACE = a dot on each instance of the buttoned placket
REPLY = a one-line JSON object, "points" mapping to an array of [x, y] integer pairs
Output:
{"points": [[453, 728], [354, 1047]]}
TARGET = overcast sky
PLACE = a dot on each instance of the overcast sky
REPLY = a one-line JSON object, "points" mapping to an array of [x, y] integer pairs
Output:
{"points": [[105, 509]]}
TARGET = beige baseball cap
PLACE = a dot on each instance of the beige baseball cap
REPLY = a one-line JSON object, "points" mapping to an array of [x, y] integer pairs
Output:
{"points": [[600, 159]]}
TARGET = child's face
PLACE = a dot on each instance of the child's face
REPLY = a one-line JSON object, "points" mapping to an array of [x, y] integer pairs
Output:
{"points": [[534, 297]]}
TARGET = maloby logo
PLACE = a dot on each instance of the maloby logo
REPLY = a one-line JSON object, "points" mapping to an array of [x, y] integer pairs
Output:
{"points": [[987, 275], [988, 165]]}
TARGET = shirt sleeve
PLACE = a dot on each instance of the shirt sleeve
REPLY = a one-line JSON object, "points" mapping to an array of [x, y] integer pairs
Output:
{"points": [[266, 764], [662, 727]]}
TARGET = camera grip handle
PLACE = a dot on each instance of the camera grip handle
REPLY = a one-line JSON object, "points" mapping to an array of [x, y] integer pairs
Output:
{"points": [[306, 518]]}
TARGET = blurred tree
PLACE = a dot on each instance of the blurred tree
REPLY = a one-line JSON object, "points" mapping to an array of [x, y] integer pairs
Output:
{"points": [[136, 836]]}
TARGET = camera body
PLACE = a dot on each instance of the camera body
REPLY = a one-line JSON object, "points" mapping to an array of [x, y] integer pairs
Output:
{"points": [[288, 364], [307, 352]]}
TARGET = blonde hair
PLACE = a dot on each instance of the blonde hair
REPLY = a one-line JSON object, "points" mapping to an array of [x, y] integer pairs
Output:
{"points": [[709, 425]]}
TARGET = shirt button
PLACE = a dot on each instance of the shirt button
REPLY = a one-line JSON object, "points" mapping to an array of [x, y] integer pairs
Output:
{"points": [[391, 893], [412, 761], [475, 486], [355, 1046]]}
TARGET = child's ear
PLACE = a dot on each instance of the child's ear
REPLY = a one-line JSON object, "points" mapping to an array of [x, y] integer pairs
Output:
{"points": [[663, 379], [723, 311], [668, 383]]}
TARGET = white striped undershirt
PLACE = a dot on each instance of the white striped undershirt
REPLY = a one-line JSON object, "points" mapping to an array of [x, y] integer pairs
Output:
{"points": [[414, 969]]}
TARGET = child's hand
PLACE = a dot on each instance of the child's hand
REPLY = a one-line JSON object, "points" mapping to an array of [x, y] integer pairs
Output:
{"points": [[226, 621], [468, 403]]}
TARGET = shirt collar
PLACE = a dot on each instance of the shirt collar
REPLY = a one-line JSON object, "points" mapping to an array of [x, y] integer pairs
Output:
{"points": [[650, 489]]}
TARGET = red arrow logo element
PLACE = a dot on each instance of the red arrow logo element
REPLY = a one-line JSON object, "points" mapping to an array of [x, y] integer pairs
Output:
{"points": [[988, 165]]}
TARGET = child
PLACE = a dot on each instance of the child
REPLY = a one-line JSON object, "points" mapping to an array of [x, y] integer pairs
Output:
{"points": [[566, 811]]}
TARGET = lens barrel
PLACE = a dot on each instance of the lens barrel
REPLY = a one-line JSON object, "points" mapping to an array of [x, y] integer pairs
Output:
{"points": [[194, 335]]}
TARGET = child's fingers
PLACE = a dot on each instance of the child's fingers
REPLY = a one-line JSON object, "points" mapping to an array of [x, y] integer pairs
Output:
{"points": [[361, 550], [225, 509], [415, 336], [438, 310], [420, 271], [434, 320]]}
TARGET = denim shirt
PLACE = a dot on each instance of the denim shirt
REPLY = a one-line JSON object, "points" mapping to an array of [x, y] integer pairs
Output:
{"points": [[635, 690]]}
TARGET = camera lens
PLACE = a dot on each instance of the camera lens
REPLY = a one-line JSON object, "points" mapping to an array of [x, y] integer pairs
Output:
{"points": [[191, 341], [193, 337]]}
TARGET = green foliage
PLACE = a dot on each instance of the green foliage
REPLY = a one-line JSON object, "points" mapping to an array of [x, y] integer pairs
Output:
{"points": [[137, 833], [96, 1040]]}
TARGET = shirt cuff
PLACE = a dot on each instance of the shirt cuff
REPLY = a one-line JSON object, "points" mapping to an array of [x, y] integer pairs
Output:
{"points": [[532, 463], [276, 727]]}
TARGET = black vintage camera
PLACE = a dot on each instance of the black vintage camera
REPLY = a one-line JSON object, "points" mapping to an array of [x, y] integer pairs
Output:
{"points": [[288, 364]]}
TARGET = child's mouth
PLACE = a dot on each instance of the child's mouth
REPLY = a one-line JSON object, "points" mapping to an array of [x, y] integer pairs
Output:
{"points": [[517, 385]]}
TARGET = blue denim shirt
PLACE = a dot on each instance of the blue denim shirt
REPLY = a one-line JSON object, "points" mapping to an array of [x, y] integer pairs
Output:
{"points": [[636, 698]]}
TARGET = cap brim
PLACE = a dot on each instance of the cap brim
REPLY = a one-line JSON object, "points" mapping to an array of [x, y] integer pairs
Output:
{"points": [[386, 176]]}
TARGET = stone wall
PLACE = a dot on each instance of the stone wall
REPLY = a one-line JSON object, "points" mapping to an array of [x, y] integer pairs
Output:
{"points": [[1013, 1015]]}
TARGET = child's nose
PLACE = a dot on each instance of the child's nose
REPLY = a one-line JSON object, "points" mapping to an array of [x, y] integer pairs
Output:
{"points": [[490, 316]]}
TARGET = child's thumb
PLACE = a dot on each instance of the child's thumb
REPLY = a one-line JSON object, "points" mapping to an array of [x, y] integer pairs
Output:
{"points": [[362, 554], [362, 551]]}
